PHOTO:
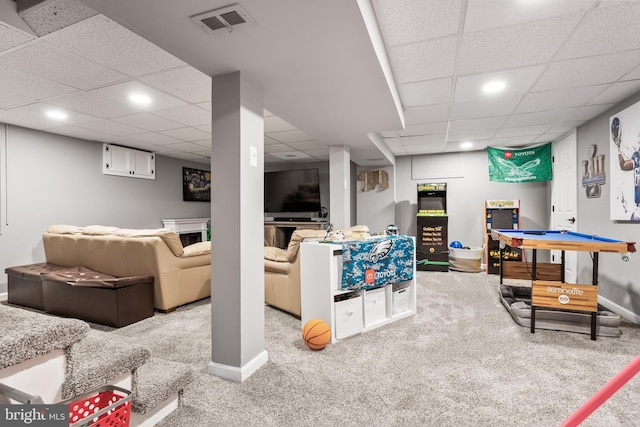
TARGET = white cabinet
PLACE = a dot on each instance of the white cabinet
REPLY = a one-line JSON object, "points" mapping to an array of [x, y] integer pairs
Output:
{"points": [[123, 161], [353, 311]]}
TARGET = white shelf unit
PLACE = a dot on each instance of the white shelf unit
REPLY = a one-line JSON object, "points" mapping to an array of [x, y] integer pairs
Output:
{"points": [[348, 312], [123, 161]]}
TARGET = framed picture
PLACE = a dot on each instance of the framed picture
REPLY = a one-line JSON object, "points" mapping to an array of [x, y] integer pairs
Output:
{"points": [[196, 185]]}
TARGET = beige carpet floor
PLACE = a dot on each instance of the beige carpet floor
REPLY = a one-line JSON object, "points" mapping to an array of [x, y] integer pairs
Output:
{"points": [[460, 361]]}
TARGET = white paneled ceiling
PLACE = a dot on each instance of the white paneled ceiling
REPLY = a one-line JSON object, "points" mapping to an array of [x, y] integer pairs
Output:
{"points": [[562, 62]]}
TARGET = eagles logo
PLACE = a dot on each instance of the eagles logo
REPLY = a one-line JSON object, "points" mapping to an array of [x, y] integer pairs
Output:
{"points": [[380, 250]]}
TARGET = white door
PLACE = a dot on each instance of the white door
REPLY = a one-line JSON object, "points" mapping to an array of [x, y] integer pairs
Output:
{"points": [[564, 201]]}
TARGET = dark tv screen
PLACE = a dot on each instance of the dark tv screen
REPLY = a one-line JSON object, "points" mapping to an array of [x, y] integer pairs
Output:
{"points": [[501, 219], [295, 190], [432, 204]]}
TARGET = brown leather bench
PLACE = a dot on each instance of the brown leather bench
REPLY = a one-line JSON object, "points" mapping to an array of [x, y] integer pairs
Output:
{"points": [[96, 297], [24, 284]]}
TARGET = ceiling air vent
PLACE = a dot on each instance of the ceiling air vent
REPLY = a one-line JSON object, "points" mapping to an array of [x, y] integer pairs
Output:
{"points": [[225, 18]]}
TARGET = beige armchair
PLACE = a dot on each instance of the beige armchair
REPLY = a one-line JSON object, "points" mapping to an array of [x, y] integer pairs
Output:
{"points": [[282, 269]]}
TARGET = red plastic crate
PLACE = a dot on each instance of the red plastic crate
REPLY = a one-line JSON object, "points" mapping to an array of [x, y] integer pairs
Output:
{"points": [[108, 406]]}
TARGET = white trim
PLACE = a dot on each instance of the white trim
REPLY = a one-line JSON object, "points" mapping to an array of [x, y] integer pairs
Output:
{"points": [[618, 309], [4, 296], [238, 374]]}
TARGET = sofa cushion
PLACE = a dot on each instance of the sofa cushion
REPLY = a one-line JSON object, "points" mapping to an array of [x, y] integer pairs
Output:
{"points": [[64, 229], [99, 230], [275, 254], [199, 248]]}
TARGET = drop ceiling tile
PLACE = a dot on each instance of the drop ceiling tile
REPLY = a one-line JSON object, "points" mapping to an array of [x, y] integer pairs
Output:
{"points": [[290, 155], [12, 100], [399, 151], [553, 99], [276, 148], [476, 124], [549, 137], [205, 105], [426, 114], [270, 141], [307, 145], [469, 135], [112, 127], [186, 134], [425, 129], [521, 131], [61, 66], [512, 141], [21, 83], [430, 59], [190, 156], [162, 149], [184, 146], [204, 143], [632, 75], [424, 140], [413, 20], [81, 133], [514, 46], [186, 83], [101, 40], [148, 122], [539, 118], [276, 124], [290, 136], [604, 30], [518, 81], [204, 128], [424, 149], [10, 37], [155, 138], [564, 127], [393, 142], [454, 147], [189, 115], [390, 134], [483, 15], [615, 92], [320, 153], [485, 108], [204, 153], [588, 112], [587, 71], [34, 116], [426, 92]]}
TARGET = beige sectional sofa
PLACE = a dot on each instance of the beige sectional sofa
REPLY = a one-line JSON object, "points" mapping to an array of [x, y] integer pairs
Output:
{"points": [[181, 275]]}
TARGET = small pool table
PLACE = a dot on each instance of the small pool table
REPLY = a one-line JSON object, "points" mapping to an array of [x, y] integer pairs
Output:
{"points": [[561, 240]]}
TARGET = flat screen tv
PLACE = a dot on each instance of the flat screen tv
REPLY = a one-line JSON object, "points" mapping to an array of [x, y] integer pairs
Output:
{"points": [[290, 192]]}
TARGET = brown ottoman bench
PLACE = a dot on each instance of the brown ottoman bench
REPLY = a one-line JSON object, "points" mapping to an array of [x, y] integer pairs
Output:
{"points": [[99, 298], [24, 284]]}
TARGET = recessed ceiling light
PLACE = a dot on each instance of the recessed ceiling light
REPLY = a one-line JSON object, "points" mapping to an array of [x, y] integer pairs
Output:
{"points": [[494, 86], [466, 145], [56, 115], [140, 99]]}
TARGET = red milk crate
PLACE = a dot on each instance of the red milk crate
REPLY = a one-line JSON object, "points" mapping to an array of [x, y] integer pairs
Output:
{"points": [[107, 406]]}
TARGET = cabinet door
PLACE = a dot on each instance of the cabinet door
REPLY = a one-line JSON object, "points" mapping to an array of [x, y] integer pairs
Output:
{"points": [[144, 164], [116, 160]]}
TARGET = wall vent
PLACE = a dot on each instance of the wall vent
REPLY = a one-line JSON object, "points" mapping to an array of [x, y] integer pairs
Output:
{"points": [[223, 19]]}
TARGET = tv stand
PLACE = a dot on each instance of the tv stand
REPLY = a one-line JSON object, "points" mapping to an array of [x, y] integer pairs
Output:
{"points": [[278, 233]]}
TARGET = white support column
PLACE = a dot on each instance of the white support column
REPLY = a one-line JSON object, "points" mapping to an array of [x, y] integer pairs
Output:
{"points": [[339, 186], [237, 258]]}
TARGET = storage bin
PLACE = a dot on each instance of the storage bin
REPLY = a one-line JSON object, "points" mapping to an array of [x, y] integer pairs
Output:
{"points": [[106, 406], [466, 260], [348, 317], [375, 309], [24, 284], [401, 293]]}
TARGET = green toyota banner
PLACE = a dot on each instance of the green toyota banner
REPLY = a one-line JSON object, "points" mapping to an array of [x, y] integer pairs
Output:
{"points": [[522, 165]]}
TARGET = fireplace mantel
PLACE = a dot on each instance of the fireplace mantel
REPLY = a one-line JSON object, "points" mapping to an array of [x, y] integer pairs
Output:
{"points": [[188, 225]]}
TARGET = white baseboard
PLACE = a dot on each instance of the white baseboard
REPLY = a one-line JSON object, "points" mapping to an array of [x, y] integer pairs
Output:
{"points": [[619, 310], [4, 296], [239, 374]]}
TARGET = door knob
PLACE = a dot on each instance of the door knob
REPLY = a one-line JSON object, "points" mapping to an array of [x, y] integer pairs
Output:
{"points": [[572, 220]]}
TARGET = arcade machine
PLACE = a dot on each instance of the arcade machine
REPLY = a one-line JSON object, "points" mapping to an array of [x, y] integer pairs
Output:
{"points": [[432, 250], [500, 215]]}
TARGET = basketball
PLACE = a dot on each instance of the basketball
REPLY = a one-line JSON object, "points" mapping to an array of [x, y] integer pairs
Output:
{"points": [[316, 334]]}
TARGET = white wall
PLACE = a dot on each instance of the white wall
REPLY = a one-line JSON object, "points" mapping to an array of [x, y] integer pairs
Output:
{"points": [[53, 179], [619, 287]]}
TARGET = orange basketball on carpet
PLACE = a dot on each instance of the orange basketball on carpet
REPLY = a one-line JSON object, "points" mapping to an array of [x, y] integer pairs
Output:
{"points": [[316, 334]]}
